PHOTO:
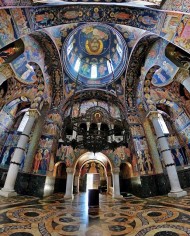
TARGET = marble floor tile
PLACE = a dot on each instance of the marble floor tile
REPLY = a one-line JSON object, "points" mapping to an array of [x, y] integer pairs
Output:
{"points": [[156, 216]]}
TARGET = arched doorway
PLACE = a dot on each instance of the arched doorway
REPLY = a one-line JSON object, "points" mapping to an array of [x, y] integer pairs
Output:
{"points": [[96, 167], [60, 175], [126, 173], [93, 175]]}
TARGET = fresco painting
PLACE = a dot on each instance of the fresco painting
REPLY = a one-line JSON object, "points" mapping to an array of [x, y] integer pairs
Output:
{"points": [[130, 34], [175, 5], [25, 73], [44, 159], [43, 162], [141, 160], [7, 33], [19, 19], [12, 107], [12, 51], [182, 121], [165, 74], [92, 103], [93, 53], [8, 148], [92, 167], [16, 2], [59, 33], [170, 25], [182, 37], [179, 157], [6, 122], [186, 6], [33, 52], [50, 128], [178, 152]]}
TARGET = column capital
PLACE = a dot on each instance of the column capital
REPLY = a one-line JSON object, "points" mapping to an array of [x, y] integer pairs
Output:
{"points": [[153, 114], [34, 113], [116, 170], [70, 170], [182, 75]]}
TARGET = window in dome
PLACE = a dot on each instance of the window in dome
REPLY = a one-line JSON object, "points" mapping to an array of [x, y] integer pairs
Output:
{"points": [[94, 71], [69, 48], [77, 65], [110, 67], [119, 49]]}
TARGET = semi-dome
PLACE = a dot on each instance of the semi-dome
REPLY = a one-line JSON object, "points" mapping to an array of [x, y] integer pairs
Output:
{"points": [[94, 54]]}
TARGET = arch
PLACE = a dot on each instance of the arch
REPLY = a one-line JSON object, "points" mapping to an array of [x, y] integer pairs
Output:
{"points": [[126, 170], [85, 155], [55, 170], [147, 19], [146, 90]]}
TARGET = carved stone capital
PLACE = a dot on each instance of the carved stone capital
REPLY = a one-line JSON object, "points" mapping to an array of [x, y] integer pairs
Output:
{"points": [[34, 113], [152, 115], [70, 170], [182, 75], [115, 170]]}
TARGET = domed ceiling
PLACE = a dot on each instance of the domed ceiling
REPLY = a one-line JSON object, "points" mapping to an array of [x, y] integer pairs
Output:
{"points": [[94, 54]]}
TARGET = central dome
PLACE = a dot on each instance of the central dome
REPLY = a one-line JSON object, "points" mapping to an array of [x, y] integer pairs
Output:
{"points": [[94, 54]]}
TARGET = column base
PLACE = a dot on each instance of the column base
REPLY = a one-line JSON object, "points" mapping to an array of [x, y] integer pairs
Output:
{"points": [[7, 193], [68, 197], [117, 196], [177, 194]]}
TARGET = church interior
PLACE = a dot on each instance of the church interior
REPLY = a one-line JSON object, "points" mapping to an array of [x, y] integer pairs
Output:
{"points": [[94, 95]]}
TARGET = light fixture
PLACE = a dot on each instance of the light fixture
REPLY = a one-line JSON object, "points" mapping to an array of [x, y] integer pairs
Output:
{"points": [[96, 130]]}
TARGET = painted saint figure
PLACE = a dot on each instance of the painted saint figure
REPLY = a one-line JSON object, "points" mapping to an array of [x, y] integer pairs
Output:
{"points": [[37, 160], [5, 157]]}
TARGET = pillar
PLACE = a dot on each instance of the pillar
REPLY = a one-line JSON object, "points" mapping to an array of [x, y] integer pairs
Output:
{"points": [[88, 125], [28, 163], [109, 182], [8, 189], [152, 147], [113, 136], [69, 184], [116, 184], [76, 181], [74, 135], [176, 190], [99, 126]]}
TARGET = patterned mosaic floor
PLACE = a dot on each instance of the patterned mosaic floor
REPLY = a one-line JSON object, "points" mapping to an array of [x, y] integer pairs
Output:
{"points": [[158, 216]]}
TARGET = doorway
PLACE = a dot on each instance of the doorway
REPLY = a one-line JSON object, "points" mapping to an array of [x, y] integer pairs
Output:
{"points": [[93, 181]]}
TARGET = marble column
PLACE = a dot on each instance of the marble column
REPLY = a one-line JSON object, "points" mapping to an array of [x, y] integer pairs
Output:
{"points": [[8, 189], [74, 135], [76, 181], [116, 184], [152, 147], [28, 164], [88, 125], [99, 126], [69, 184], [109, 182], [113, 136], [176, 190]]}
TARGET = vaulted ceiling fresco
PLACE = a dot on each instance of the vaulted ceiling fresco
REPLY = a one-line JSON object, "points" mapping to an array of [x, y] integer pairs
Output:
{"points": [[94, 55], [103, 54]]}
